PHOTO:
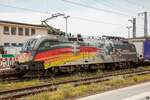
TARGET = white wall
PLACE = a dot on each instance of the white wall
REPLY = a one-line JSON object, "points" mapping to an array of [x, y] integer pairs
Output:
{"points": [[41, 31], [1, 33], [16, 38]]}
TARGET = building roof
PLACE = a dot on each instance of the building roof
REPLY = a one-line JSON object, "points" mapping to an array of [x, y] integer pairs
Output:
{"points": [[141, 38], [11, 22]]}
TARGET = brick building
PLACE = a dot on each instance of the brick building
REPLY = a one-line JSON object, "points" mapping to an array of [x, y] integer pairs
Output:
{"points": [[14, 33]]}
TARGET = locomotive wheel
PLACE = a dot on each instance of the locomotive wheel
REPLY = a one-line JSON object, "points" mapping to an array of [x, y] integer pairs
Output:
{"points": [[93, 67], [54, 71], [77, 68], [71, 69], [48, 73], [114, 66]]}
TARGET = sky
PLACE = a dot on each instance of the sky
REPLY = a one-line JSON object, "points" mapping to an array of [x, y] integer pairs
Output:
{"points": [[87, 17]]}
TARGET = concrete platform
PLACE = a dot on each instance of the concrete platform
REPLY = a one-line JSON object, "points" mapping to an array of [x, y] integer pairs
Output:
{"points": [[136, 92]]}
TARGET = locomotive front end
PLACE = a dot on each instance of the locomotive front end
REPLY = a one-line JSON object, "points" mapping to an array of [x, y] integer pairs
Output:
{"points": [[28, 51], [27, 54]]}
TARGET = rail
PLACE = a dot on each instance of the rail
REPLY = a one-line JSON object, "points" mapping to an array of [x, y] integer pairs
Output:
{"points": [[18, 93]]}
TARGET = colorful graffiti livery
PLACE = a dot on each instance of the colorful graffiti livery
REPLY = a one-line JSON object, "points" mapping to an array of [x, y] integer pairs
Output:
{"points": [[62, 56], [60, 52]]}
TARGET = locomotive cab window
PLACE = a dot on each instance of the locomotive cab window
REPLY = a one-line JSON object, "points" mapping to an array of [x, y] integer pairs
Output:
{"points": [[29, 45]]}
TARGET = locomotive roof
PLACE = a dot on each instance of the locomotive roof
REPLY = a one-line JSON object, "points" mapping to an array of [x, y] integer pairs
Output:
{"points": [[64, 38], [52, 37]]}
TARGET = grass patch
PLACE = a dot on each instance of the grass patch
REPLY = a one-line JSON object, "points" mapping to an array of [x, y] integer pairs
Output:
{"points": [[68, 91], [35, 82], [14, 85]]}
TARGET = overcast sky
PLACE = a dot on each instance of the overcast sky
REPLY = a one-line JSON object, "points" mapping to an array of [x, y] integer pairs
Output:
{"points": [[102, 17]]}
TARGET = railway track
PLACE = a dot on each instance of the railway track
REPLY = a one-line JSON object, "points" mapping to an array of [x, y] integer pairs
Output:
{"points": [[18, 93], [10, 79]]}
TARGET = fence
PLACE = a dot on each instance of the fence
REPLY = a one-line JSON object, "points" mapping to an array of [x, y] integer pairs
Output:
{"points": [[8, 59]]}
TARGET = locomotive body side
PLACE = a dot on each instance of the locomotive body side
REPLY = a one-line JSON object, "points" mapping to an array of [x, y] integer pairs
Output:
{"points": [[67, 53], [48, 52]]}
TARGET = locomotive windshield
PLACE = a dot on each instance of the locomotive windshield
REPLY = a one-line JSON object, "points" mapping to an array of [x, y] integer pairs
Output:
{"points": [[29, 45]]}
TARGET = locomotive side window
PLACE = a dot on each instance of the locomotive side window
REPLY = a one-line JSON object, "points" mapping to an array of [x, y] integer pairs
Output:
{"points": [[47, 45], [83, 44], [133, 49]]}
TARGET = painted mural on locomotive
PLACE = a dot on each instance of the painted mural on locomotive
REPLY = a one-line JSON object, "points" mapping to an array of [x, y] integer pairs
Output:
{"points": [[59, 51]]}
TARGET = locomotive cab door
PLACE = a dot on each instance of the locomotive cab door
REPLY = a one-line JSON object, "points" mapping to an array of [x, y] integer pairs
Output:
{"points": [[76, 48]]}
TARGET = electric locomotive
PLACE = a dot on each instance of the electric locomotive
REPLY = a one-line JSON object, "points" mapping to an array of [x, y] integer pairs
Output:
{"points": [[68, 53]]}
